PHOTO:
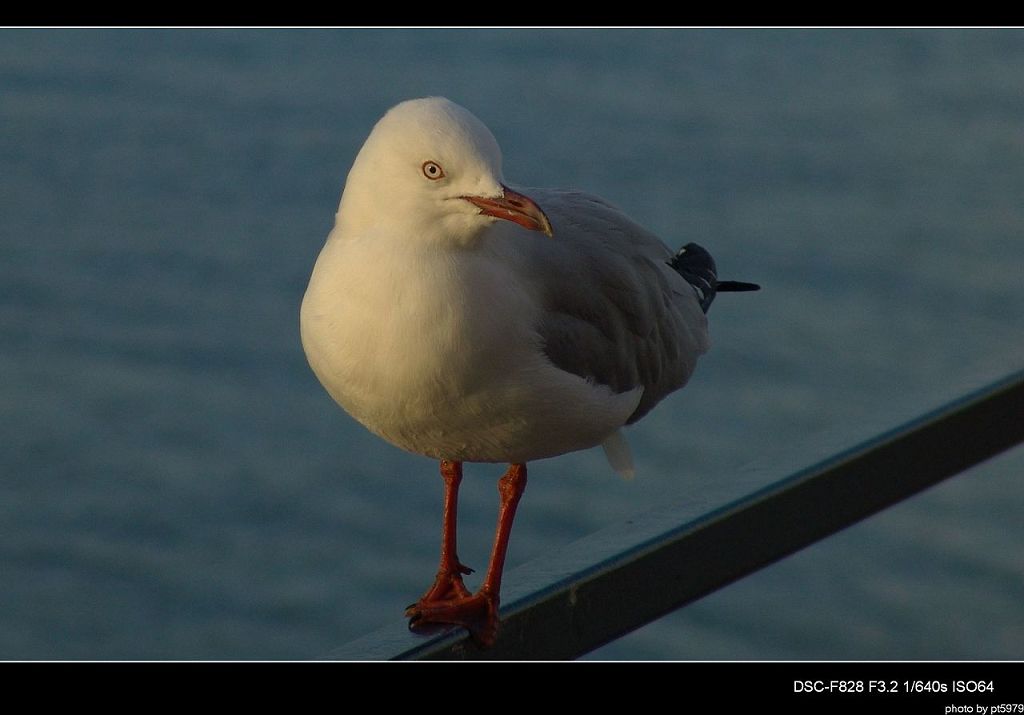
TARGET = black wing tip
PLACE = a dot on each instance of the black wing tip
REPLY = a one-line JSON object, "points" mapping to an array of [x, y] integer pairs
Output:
{"points": [[736, 286], [695, 264]]}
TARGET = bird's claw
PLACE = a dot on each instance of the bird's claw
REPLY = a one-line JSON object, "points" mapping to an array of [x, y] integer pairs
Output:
{"points": [[477, 613], [448, 586]]}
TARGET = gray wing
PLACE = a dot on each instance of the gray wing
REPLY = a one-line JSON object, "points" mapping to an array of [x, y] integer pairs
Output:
{"points": [[615, 312]]}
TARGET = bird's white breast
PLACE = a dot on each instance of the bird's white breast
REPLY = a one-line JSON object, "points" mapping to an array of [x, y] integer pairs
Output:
{"points": [[436, 352]]}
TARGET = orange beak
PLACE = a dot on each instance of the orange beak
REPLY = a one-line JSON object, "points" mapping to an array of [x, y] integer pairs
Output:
{"points": [[513, 206]]}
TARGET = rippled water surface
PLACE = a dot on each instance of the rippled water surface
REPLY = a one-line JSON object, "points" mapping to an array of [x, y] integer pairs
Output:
{"points": [[174, 483]]}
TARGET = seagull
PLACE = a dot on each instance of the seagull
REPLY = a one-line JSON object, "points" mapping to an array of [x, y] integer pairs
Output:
{"points": [[454, 317]]}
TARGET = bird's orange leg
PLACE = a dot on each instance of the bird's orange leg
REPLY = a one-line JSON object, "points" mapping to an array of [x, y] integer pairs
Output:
{"points": [[448, 584], [479, 612]]}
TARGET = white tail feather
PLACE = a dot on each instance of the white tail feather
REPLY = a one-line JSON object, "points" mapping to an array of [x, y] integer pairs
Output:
{"points": [[619, 455]]}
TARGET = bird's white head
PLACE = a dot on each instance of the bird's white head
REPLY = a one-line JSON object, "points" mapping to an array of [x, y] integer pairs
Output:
{"points": [[432, 171]]}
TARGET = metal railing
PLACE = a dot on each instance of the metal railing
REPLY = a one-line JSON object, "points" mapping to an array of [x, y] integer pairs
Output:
{"points": [[619, 579]]}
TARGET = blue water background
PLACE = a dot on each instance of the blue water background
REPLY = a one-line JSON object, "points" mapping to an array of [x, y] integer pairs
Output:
{"points": [[174, 483]]}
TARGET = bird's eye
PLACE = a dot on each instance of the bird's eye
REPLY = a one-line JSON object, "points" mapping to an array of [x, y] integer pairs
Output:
{"points": [[432, 170]]}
